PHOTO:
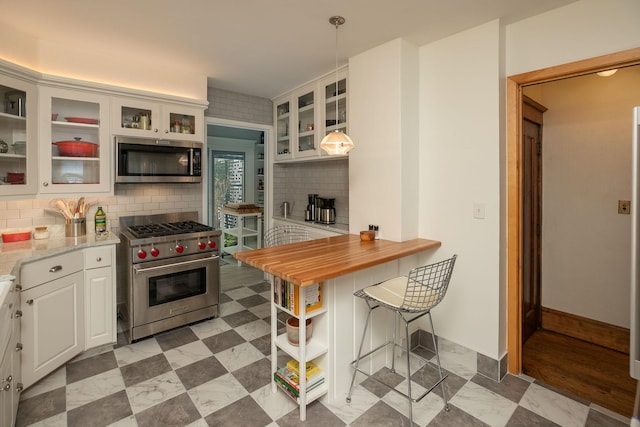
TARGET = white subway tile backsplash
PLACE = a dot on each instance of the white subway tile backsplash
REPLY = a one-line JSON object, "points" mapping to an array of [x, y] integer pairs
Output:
{"points": [[138, 199]]}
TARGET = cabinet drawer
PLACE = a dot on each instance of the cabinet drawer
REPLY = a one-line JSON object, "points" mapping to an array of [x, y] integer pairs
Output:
{"points": [[39, 272], [100, 256]]}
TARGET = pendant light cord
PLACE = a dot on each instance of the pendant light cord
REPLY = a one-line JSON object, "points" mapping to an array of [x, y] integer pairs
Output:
{"points": [[336, 93]]}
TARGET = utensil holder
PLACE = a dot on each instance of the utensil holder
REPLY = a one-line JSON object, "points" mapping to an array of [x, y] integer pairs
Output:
{"points": [[75, 227]]}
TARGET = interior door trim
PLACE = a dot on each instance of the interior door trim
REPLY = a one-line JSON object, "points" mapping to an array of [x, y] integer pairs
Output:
{"points": [[515, 84]]}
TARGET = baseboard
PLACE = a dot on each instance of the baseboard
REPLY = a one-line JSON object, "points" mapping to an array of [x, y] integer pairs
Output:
{"points": [[593, 331]]}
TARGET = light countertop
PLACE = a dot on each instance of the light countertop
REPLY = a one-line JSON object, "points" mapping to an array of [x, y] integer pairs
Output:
{"points": [[335, 228], [14, 255]]}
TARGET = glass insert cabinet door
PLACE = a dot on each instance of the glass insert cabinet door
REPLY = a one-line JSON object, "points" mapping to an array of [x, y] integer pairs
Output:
{"points": [[15, 176], [75, 145], [283, 122], [74, 141], [336, 98], [306, 122]]}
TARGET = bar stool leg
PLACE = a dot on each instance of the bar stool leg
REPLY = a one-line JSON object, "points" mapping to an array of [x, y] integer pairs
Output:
{"points": [[355, 368], [393, 341], [408, 350], [435, 346]]}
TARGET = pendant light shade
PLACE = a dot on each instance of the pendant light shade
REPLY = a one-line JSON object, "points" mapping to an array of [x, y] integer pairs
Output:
{"points": [[336, 142]]}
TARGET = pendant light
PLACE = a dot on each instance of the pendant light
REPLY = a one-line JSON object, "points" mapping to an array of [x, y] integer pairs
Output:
{"points": [[336, 142]]}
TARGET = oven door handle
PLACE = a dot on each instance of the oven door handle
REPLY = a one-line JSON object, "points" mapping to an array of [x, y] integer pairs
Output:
{"points": [[138, 269]]}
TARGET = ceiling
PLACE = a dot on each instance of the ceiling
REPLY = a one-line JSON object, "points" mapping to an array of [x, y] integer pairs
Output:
{"points": [[256, 47]]}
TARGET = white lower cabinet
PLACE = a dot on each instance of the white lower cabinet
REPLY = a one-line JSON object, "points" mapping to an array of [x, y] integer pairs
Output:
{"points": [[68, 305], [99, 296], [52, 325], [10, 376]]}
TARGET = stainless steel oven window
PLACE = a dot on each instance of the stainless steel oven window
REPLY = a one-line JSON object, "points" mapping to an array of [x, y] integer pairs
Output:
{"points": [[177, 286]]}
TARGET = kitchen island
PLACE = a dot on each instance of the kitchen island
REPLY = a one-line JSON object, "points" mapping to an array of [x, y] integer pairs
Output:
{"points": [[341, 265]]}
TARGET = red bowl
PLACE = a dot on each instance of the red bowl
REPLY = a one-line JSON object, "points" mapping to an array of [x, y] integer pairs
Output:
{"points": [[77, 148], [15, 177]]}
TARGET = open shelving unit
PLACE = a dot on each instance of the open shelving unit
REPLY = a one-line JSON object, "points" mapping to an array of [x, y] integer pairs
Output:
{"points": [[314, 350]]}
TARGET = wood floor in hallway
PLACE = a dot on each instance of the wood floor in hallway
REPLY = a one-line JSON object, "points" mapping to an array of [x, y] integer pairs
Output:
{"points": [[585, 370]]}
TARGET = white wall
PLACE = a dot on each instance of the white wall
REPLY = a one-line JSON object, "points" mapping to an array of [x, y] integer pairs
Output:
{"points": [[122, 66], [460, 166], [586, 170], [383, 168], [580, 30]]}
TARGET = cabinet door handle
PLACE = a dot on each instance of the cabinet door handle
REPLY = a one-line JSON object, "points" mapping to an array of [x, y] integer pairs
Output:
{"points": [[29, 301], [6, 387], [19, 387], [45, 184], [18, 288], [7, 380], [19, 346], [55, 269], [18, 314], [99, 259]]}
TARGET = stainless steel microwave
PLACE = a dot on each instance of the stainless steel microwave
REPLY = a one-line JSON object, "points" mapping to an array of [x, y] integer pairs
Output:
{"points": [[140, 160]]}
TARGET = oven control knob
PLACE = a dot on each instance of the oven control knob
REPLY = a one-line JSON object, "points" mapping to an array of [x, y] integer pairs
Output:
{"points": [[202, 245], [179, 248], [154, 252], [212, 244], [142, 254]]}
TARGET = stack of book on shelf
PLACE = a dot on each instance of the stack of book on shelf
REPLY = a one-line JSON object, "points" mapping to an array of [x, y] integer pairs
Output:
{"points": [[287, 295], [288, 378]]}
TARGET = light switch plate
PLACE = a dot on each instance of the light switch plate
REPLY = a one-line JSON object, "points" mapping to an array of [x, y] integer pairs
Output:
{"points": [[478, 210]]}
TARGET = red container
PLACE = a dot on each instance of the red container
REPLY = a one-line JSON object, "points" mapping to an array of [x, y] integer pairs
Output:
{"points": [[77, 148], [15, 177], [16, 236]]}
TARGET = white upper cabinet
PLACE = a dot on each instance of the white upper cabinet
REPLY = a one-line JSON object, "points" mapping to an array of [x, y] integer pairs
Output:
{"points": [[18, 137], [75, 149], [304, 116], [334, 101], [159, 120]]}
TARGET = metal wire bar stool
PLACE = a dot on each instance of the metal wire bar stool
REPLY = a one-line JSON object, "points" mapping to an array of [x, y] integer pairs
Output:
{"points": [[283, 234], [410, 298]]}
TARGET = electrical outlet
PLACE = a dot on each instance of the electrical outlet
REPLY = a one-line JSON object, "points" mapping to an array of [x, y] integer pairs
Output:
{"points": [[624, 207]]}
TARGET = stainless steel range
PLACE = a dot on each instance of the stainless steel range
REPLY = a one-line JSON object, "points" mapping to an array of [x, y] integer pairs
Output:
{"points": [[170, 271]]}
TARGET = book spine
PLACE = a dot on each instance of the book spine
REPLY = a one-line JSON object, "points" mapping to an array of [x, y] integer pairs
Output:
{"points": [[294, 388]]}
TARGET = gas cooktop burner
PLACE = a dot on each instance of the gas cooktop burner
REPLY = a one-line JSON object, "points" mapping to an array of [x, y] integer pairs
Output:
{"points": [[167, 229]]}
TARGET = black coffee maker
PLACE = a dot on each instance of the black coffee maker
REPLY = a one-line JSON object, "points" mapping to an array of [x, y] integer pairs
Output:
{"points": [[325, 210], [310, 212]]}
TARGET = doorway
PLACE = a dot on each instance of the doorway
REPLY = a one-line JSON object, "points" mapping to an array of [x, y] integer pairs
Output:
{"points": [[515, 190], [237, 172]]}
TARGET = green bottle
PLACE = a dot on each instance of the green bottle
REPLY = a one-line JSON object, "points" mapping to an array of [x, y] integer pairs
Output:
{"points": [[101, 221]]}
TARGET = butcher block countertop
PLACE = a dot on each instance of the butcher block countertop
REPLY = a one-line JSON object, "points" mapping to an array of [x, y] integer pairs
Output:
{"points": [[314, 261]]}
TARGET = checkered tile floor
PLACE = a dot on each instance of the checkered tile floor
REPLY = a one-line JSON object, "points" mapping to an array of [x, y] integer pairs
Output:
{"points": [[217, 373]]}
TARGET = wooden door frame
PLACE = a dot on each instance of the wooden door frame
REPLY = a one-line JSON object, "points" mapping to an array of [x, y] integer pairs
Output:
{"points": [[515, 84]]}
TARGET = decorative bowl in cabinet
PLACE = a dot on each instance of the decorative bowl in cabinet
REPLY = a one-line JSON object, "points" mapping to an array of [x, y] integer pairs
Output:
{"points": [[76, 148]]}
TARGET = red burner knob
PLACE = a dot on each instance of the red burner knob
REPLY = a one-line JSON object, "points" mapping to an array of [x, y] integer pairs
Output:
{"points": [[212, 244], [202, 245], [154, 252], [179, 249], [142, 254]]}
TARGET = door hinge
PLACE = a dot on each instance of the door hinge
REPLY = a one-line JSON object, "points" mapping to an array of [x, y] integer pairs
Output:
{"points": [[538, 230], [538, 148]]}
